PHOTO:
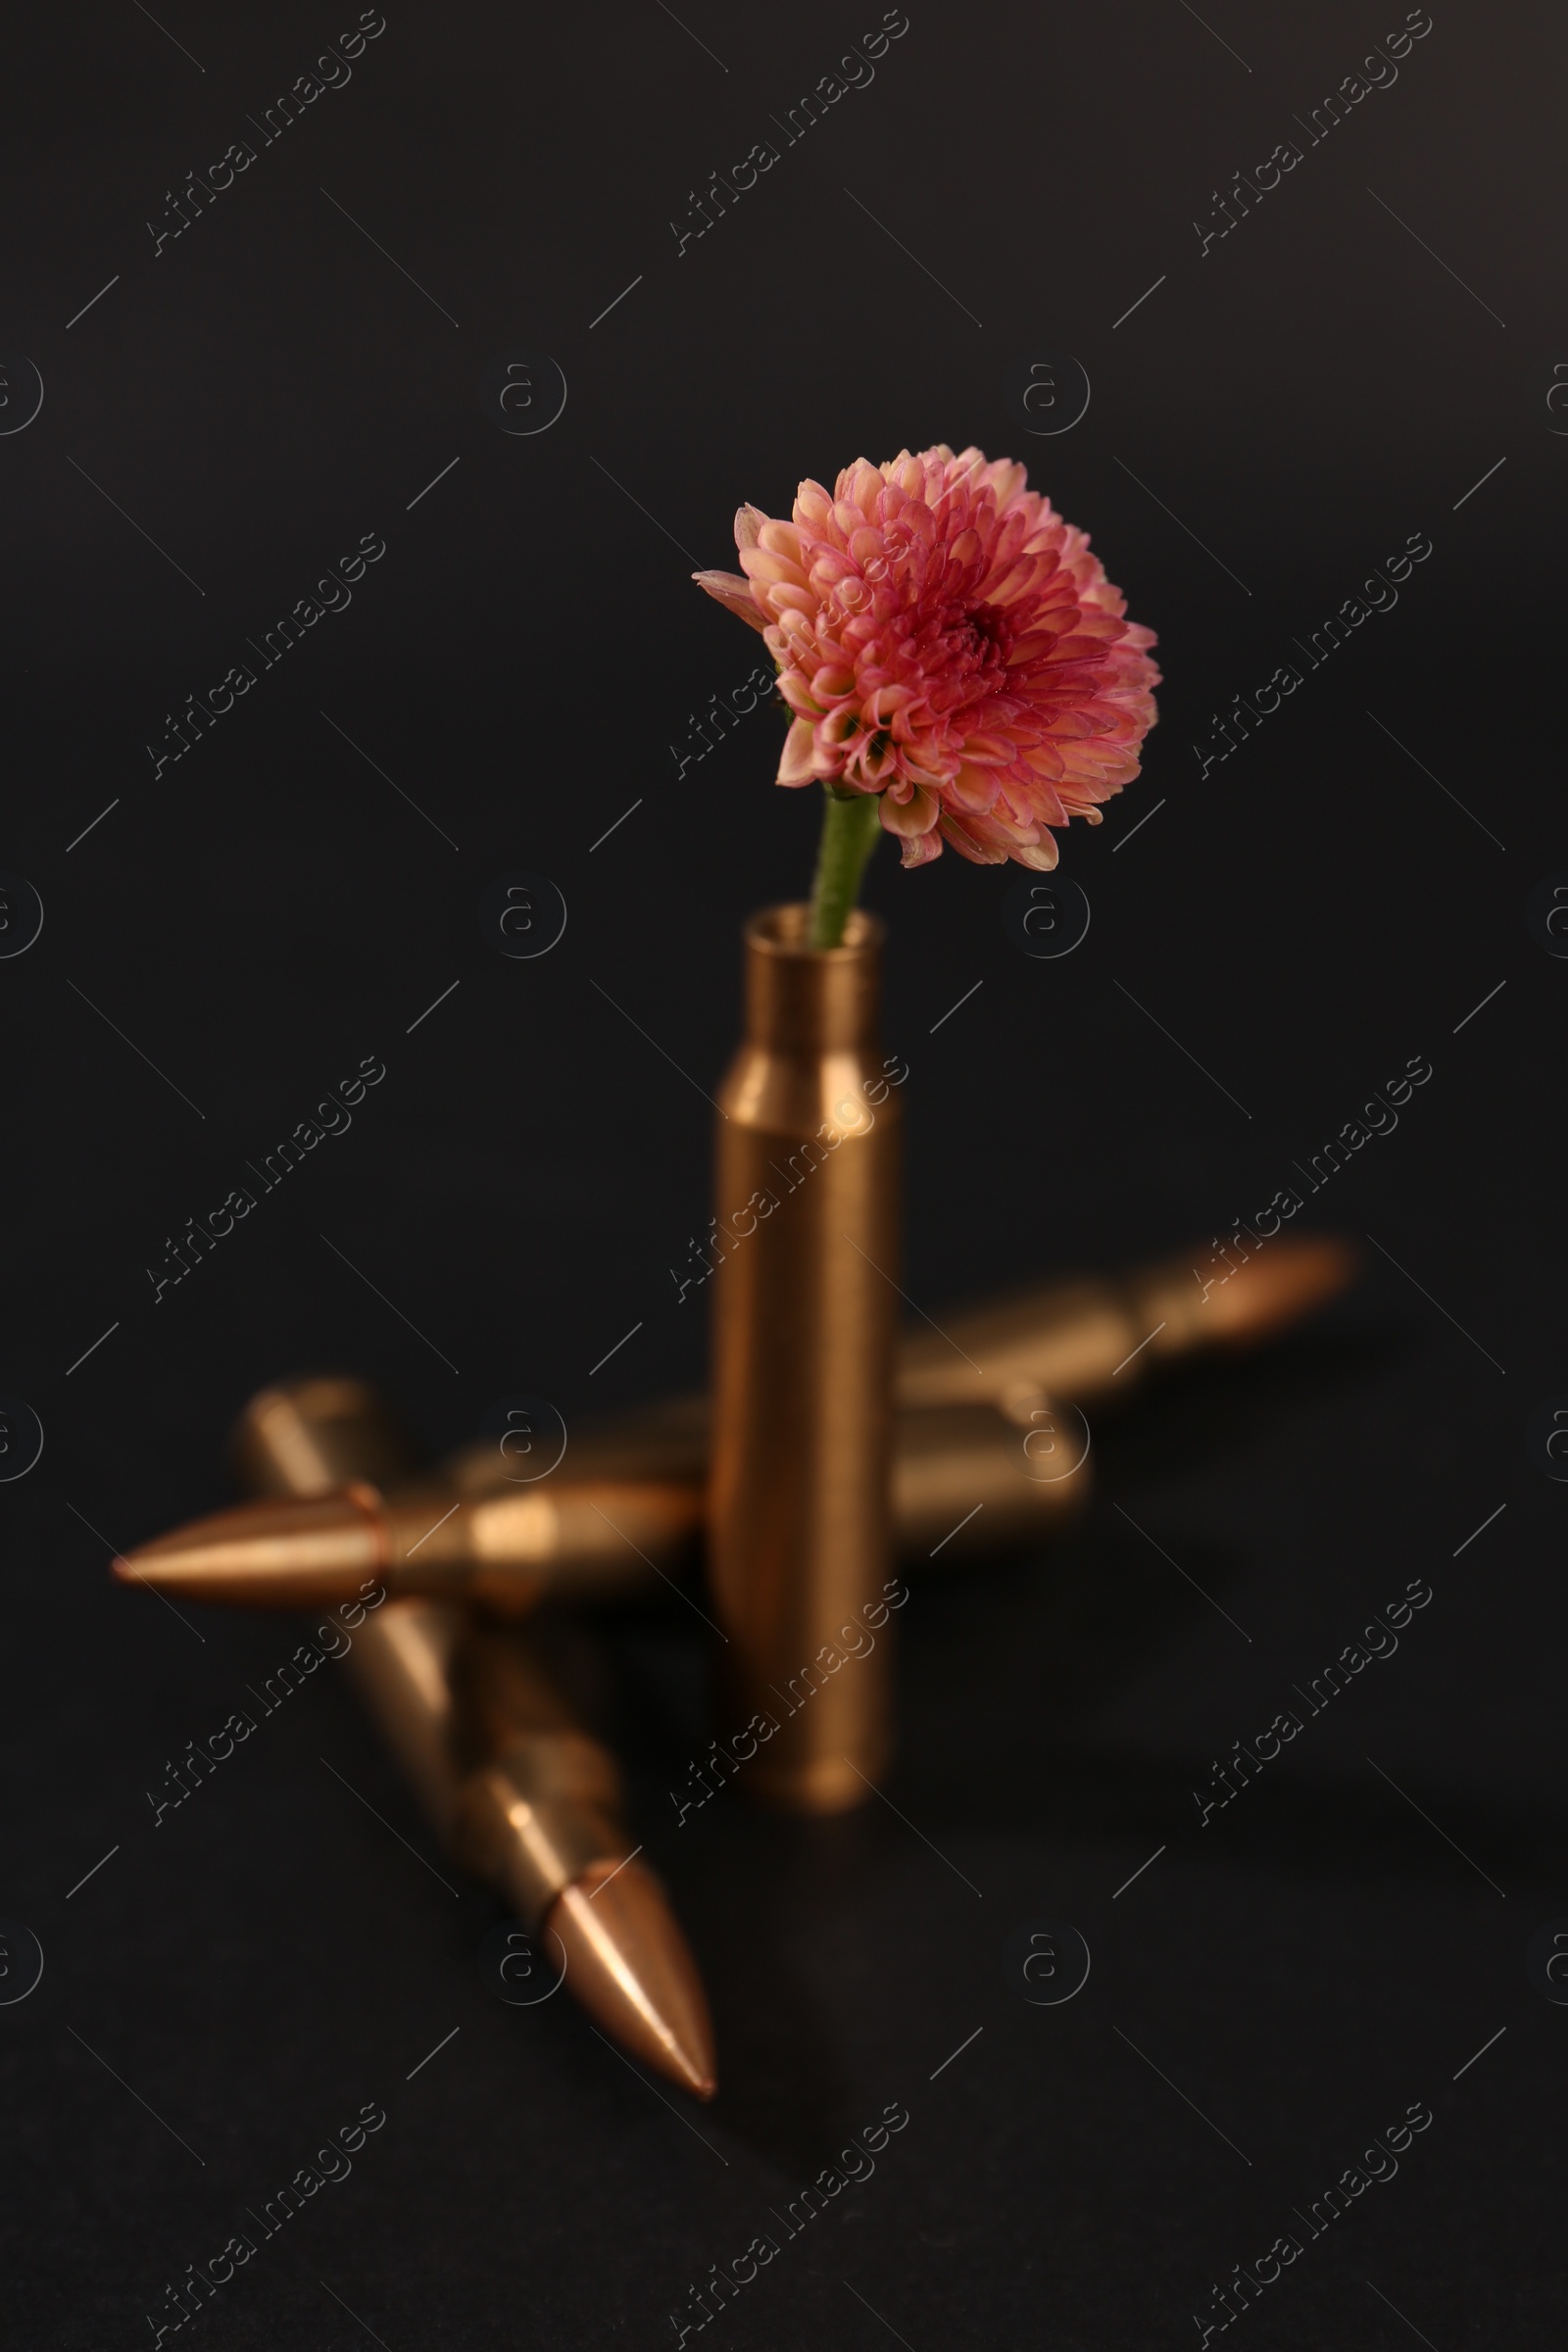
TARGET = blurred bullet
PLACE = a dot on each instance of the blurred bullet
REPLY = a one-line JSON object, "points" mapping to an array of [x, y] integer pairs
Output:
{"points": [[585, 1540], [523, 1795], [966, 1478], [1091, 1339]]}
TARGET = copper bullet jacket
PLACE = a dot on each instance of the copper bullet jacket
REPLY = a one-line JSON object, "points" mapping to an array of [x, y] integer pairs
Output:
{"points": [[522, 1794], [803, 1301]]}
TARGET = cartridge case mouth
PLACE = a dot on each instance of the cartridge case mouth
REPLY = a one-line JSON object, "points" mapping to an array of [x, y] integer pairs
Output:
{"points": [[811, 1001]]}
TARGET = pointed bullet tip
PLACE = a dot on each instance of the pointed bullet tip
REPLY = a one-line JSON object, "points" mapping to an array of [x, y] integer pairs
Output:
{"points": [[632, 1970], [1280, 1285], [288, 1552]]}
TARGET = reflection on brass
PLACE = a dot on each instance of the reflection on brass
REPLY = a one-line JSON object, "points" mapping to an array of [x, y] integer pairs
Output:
{"points": [[803, 1306], [522, 1795]]}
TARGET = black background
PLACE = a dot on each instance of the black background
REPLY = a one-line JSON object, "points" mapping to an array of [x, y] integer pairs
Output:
{"points": [[1304, 396]]}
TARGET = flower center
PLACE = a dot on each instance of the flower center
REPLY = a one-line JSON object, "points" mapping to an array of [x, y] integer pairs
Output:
{"points": [[977, 645]]}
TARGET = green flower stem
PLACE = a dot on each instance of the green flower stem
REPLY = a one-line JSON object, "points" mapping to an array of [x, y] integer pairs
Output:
{"points": [[850, 827]]}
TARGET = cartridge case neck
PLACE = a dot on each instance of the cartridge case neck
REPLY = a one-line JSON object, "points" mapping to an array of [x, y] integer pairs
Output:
{"points": [[805, 1001], [537, 1819]]}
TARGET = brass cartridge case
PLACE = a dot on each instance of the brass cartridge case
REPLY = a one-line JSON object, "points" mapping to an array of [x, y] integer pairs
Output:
{"points": [[803, 1316]]}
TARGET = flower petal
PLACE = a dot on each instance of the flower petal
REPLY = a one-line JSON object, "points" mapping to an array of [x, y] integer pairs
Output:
{"points": [[912, 816], [800, 745], [734, 593], [920, 848], [748, 522]]}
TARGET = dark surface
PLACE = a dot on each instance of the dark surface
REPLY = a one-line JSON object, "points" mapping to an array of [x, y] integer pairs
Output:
{"points": [[1304, 396]]}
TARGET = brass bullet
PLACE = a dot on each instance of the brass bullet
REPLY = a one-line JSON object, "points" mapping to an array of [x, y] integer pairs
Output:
{"points": [[505, 1551], [966, 1480], [522, 1795], [1095, 1339]]}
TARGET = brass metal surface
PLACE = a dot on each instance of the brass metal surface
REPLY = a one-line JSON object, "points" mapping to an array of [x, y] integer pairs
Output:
{"points": [[806, 1240], [518, 1788]]}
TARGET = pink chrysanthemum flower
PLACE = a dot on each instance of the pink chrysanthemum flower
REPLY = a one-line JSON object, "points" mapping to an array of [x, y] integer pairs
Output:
{"points": [[947, 642]]}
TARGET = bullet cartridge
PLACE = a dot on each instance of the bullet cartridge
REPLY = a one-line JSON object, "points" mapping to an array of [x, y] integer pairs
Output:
{"points": [[1091, 1339], [520, 1791], [631, 1515], [505, 1551]]}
